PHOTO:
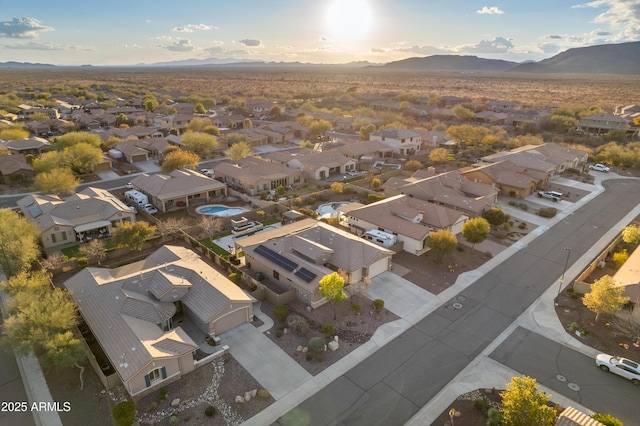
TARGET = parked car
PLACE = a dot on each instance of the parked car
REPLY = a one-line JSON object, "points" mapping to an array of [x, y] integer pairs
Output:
{"points": [[206, 172], [149, 208], [599, 167], [621, 366], [552, 195]]}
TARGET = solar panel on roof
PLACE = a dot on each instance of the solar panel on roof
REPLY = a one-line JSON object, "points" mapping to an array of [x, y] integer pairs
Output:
{"points": [[35, 211], [276, 258], [305, 274]]}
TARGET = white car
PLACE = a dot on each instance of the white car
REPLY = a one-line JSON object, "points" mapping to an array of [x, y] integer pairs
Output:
{"points": [[150, 209], [621, 366], [552, 195], [599, 168], [129, 185], [206, 172]]}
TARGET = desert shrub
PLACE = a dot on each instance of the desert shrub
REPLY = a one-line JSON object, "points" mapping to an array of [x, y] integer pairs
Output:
{"points": [[82, 262], [279, 333], [547, 212], [347, 189], [298, 324], [573, 171], [164, 392], [570, 290], [481, 404], [495, 216], [281, 312], [263, 393], [309, 357], [124, 413], [494, 417], [308, 212], [506, 226], [320, 358], [574, 296], [234, 277], [316, 344], [607, 419], [173, 420], [513, 203], [311, 200], [620, 257], [327, 329], [522, 226], [210, 411], [524, 206], [372, 198], [298, 201], [378, 304], [355, 307]]}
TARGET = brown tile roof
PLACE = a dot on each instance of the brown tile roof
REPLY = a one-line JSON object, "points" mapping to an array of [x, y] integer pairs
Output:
{"points": [[10, 164], [178, 183]]}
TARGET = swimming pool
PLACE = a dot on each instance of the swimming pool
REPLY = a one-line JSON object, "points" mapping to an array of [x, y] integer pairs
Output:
{"points": [[220, 210], [329, 210]]}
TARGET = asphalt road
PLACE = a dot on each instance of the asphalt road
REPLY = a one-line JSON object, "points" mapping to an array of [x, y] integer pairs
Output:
{"points": [[543, 359], [392, 384]]}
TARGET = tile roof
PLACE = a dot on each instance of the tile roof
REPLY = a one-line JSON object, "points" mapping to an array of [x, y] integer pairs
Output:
{"points": [[178, 183], [122, 312], [10, 164]]}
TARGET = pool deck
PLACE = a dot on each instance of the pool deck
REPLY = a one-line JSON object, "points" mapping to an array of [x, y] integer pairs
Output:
{"points": [[228, 242]]}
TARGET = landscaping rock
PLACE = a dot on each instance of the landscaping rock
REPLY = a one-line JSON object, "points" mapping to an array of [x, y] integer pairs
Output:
{"points": [[239, 398], [247, 396], [333, 345], [175, 402]]}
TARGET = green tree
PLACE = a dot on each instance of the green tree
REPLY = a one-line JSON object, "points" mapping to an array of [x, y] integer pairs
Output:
{"points": [[275, 113], [171, 111], [42, 318], [82, 157], [150, 104], [619, 136], [247, 124], [306, 144], [13, 132], [73, 138], [234, 138], [199, 108], [365, 131], [199, 142], [495, 216], [524, 405], [60, 181], [476, 230], [124, 413], [319, 127], [438, 156], [413, 165], [607, 419], [467, 135], [337, 187], [238, 151], [442, 242], [133, 235], [198, 124], [48, 161], [631, 234], [332, 288], [462, 113], [18, 242], [179, 159], [605, 297]]}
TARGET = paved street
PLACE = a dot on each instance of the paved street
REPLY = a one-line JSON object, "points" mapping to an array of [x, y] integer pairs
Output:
{"points": [[392, 384], [561, 369]]}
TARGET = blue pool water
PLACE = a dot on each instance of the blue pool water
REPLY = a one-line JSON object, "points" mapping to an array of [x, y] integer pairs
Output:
{"points": [[220, 210]]}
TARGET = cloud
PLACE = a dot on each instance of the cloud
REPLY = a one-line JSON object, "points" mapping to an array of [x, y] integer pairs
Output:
{"points": [[423, 50], [283, 46], [601, 33], [192, 27], [22, 28], [553, 36], [493, 10], [623, 16], [34, 46], [183, 45], [497, 45], [132, 46], [250, 42], [549, 48], [377, 50]]}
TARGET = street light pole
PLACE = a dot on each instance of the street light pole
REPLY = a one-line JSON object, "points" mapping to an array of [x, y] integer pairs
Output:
{"points": [[566, 262]]}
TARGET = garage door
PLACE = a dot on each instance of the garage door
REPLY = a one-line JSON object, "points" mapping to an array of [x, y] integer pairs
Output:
{"points": [[379, 267], [231, 320]]}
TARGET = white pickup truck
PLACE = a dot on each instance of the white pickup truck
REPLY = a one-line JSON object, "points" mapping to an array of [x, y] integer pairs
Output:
{"points": [[599, 168], [552, 195]]}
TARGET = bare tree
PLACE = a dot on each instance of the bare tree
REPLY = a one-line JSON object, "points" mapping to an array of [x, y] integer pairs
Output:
{"points": [[211, 225], [172, 225]]}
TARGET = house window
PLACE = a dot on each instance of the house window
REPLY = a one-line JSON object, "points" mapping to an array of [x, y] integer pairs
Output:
{"points": [[155, 376], [276, 275], [59, 236]]}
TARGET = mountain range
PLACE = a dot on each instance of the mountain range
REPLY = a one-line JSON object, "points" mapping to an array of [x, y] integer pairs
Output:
{"points": [[623, 58]]}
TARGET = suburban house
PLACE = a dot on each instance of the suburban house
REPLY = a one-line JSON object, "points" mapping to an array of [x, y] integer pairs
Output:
{"points": [[81, 217], [403, 142], [179, 189], [603, 123], [540, 157], [367, 150], [315, 165], [131, 152], [628, 276], [409, 219], [296, 256], [519, 117], [31, 145], [253, 176], [14, 169], [510, 179], [50, 127], [450, 189], [176, 121], [27, 111], [138, 314], [502, 106]]}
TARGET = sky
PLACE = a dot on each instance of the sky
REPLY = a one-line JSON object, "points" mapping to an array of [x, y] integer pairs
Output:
{"points": [[116, 32]]}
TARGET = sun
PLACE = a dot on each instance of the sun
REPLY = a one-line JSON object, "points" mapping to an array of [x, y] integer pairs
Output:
{"points": [[349, 19]]}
